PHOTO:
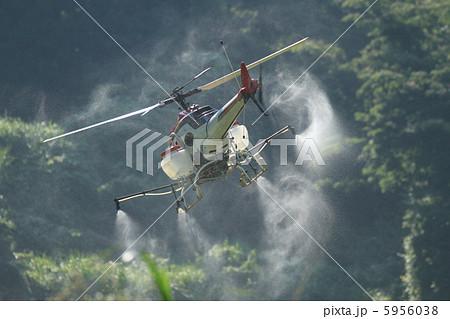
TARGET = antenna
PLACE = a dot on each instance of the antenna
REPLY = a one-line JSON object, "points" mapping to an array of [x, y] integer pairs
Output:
{"points": [[229, 62]]}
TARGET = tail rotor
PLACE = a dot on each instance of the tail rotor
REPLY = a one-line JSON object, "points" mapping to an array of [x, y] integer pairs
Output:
{"points": [[250, 87]]}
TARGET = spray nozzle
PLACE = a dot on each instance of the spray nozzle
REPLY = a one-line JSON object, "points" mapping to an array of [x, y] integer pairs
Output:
{"points": [[117, 203], [292, 130]]}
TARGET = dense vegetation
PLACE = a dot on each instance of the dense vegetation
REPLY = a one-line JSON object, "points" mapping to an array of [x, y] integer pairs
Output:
{"points": [[386, 181]]}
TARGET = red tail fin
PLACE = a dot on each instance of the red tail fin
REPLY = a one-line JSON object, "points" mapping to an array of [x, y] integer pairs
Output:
{"points": [[248, 84]]}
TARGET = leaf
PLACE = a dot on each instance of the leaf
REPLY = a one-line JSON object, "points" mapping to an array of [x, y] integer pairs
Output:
{"points": [[160, 277]]}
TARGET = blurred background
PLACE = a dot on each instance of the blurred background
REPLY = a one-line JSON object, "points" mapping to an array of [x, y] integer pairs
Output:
{"points": [[376, 105]]}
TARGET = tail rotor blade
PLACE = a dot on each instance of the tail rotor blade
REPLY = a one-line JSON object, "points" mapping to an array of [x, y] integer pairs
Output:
{"points": [[260, 84], [259, 106]]}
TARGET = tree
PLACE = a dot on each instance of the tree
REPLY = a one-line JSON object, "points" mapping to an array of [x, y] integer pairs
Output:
{"points": [[406, 123]]}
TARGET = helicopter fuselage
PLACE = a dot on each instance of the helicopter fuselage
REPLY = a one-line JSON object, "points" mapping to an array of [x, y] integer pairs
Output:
{"points": [[201, 135]]}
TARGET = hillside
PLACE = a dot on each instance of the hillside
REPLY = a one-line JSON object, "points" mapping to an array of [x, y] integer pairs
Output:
{"points": [[375, 103]]}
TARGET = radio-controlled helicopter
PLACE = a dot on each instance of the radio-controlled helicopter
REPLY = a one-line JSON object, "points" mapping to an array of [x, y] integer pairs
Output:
{"points": [[206, 144]]}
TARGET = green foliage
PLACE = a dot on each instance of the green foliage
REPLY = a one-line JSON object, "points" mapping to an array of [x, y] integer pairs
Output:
{"points": [[66, 278], [6, 230], [426, 249], [12, 285], [388, 184], [406, 122], [160, 278], [235, 272], [149, 278], [37, 180]]}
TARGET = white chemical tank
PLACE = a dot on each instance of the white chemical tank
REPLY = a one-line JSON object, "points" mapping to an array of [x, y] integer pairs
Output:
{"points": [[177, 163], [238, 135]]}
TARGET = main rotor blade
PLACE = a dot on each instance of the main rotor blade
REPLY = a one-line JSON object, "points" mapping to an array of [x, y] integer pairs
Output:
{"points": [[144, 110], [201, 73], [176, 90], [236, 73]]}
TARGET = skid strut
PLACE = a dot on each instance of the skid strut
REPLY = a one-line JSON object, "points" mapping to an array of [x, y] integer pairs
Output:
{"points": [[149, 192]]}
